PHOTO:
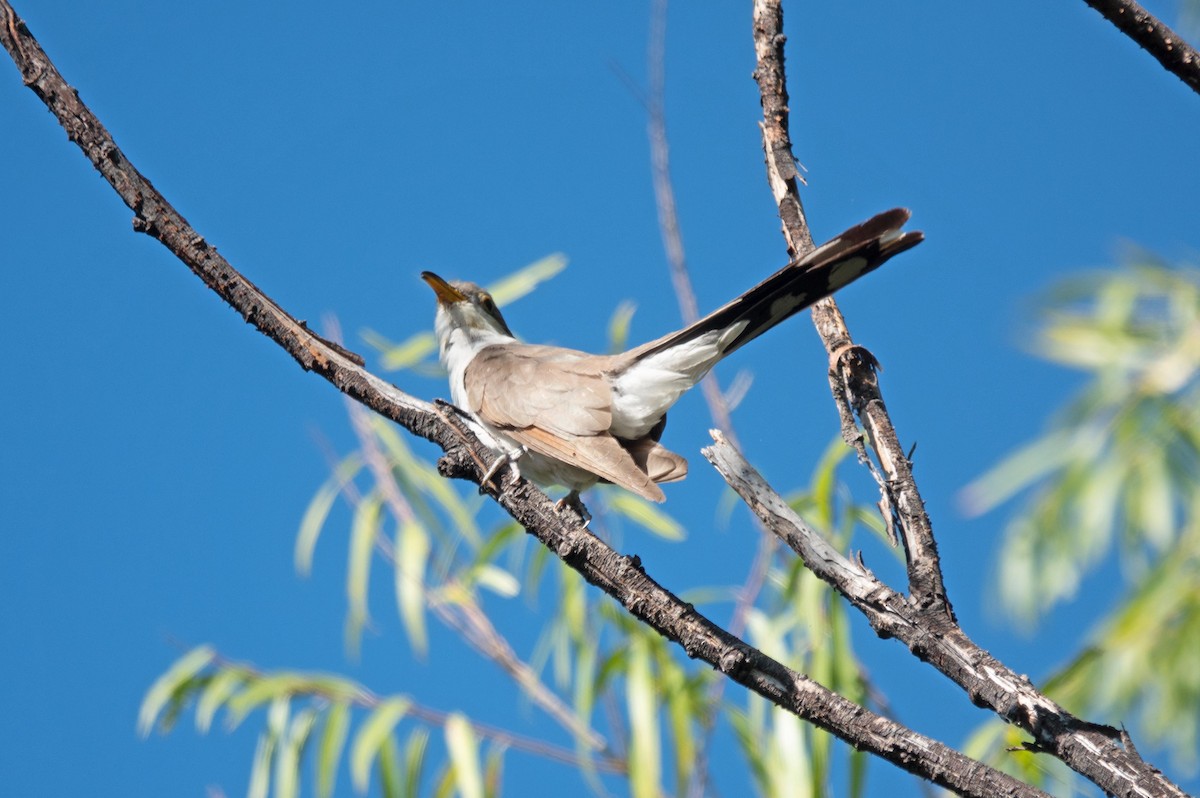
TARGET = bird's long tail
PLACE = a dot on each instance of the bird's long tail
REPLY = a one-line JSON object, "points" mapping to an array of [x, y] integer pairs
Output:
{"points": [[654, 375], [833, 265]]}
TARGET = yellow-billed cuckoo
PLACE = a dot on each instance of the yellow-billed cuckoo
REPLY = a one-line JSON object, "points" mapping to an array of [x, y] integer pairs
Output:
{"points": [[571, 418]]}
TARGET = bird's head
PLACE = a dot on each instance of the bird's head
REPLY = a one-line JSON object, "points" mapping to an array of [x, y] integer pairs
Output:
{"points": [[466, 308]]}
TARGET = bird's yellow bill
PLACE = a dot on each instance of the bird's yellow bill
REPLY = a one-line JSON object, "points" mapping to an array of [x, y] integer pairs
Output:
{"points": [[446, 293]]}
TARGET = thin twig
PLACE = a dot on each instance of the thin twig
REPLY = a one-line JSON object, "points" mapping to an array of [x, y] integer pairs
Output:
{"points": [[1168, 48], [718, 407], [366, 699]]}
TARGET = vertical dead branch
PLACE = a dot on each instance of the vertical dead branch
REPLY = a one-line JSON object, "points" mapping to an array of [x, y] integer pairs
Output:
{"points": [[925, 620], [853, 364]]}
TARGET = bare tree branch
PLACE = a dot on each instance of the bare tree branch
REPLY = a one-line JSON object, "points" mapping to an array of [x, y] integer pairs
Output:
{"points": [[858, 387], [622, 577], [1091, 749], [925, 621], [1168, 48]]}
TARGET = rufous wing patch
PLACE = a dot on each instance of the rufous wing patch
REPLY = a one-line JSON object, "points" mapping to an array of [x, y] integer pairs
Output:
{"points": [[601, 455]]}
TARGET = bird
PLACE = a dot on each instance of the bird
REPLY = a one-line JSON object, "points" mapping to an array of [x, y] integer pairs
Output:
{"points": [[569, 418]]}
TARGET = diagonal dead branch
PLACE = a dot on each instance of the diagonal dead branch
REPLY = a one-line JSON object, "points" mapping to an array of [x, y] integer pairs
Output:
{"points": [[1096, 751], [1168, 48]]}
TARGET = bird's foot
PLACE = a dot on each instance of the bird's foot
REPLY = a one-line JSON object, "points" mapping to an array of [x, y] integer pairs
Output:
{"points": [[507, 457], [572, 501]]}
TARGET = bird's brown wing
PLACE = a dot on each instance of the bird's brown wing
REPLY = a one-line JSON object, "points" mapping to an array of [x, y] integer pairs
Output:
{"points": [[558, 403], [602, 455]]}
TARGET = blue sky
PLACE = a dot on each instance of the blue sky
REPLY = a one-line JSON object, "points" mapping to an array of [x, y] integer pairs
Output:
{"points": [[160, 452]]}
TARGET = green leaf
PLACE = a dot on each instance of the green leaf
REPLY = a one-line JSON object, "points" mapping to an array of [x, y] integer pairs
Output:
{"points": [[420, 478], [618, 326], [390, 776], [791, 771], [412, 556], [362, 540], [464, 754], [644, 514], [749, 736], [412, 352], [329, 753], [414, 762], [494, 772], [524, 280], [222, 686], [377, 727], [318, 511], [260, 770], [683, 712], [258, 691], [1017, 471], [645, 765], [497, 580], [166, 686], [287, 760]]}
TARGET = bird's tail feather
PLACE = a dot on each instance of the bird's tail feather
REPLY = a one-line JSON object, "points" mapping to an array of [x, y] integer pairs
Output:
{"points": [[833, 265]]}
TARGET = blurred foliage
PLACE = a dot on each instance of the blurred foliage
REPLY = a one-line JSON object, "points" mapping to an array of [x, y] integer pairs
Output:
{"points": [[1119, 467], [639, 712]]}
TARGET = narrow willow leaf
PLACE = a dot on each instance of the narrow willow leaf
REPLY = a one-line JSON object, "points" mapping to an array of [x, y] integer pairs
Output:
{"points": [[391, 778], [749, 737], [371, 734], [422, 475], [258, 691], [585, 690], [332, 686], [790, 772], [260, 771], [618, 326], [277, 715], [222, 686], [645, 765], [645, 515], [1017, 471], [527, 278], [161, 692], [823, 485], [414, 762], [287, 760], [444, 786], [682, 713], [857, 767], [329, 751], [497, 580], [1154, 508], [318, 511], [362, 540], [493, 774], [496, 542], [464, 754], [408, 353], [412, 556]]}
